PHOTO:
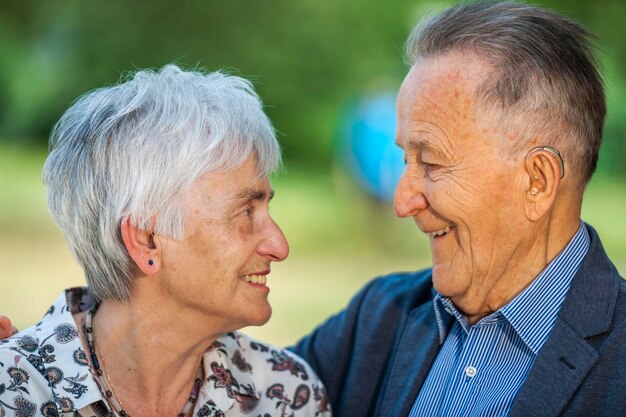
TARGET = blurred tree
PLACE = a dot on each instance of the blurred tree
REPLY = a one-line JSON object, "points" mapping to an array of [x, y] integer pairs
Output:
{"points": [[308, 58]]}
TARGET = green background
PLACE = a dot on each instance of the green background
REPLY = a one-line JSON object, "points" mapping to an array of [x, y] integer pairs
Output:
{"points": [[309, 60]]}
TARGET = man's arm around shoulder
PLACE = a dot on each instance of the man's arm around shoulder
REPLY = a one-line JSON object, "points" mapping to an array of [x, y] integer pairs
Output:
{"points": [[350, 351]]}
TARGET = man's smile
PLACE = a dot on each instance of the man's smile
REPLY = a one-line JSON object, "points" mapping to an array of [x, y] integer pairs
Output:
{"points": [[440, 232]]}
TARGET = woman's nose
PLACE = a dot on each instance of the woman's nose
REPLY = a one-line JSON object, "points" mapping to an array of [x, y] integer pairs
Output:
{"points": [[275, 245]]}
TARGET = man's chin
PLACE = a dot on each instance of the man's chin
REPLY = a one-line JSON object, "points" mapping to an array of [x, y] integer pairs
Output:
{"points": [[442, 281], [439, 272], [439, 286]]}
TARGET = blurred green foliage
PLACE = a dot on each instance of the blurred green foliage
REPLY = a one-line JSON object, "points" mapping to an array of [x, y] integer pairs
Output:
{"points": [[308, 58]]}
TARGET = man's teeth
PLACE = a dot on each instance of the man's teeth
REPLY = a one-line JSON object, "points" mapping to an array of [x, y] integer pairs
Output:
{"points": [[440, 232], [256, 279]]}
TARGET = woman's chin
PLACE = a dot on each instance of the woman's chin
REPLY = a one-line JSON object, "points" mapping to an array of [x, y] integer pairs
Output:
{"points": [[261, 316]]}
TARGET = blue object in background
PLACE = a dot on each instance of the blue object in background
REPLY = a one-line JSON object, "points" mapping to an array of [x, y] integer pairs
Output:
{"points": [[368, 145]]}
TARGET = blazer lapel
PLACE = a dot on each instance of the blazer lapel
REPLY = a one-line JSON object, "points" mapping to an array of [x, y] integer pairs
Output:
{"points": [[567, 357], [558, 371], [417, 348]]}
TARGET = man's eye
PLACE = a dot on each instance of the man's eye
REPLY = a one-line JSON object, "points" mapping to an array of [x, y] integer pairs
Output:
{"points": [[430, 165], [248, 211]]}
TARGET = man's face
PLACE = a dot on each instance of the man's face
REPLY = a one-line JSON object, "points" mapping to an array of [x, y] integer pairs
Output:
{"points": [[457, 186], [220, 267]]}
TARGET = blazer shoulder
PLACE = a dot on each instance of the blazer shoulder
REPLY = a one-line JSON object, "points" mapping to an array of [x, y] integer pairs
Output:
{"points": [[402, 289]]}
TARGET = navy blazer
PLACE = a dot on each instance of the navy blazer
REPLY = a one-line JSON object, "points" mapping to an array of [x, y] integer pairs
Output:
{"points": [[375, 355]]}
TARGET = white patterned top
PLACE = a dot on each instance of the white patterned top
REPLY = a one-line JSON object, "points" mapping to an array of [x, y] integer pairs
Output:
{"points": [[44, 371]]}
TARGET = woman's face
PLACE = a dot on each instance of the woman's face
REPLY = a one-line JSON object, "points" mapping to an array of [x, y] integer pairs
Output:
{"points": [[221, 266]]}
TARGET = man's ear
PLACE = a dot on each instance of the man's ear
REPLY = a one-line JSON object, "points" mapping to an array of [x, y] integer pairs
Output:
{"points": [[543, 170], [142, 247]]}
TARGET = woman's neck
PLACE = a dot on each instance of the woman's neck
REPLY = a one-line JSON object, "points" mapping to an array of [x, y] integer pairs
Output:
{"points": [[149, 356]]}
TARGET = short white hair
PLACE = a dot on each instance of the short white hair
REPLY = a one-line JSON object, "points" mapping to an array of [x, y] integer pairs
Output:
{"points": [[134, 149], [545, 83]]}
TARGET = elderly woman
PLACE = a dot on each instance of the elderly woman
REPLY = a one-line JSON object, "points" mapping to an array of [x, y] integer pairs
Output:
{"points": [[161, 187]]}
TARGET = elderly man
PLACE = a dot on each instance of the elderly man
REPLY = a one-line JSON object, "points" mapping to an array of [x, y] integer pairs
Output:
{"points": [[522, 314]]}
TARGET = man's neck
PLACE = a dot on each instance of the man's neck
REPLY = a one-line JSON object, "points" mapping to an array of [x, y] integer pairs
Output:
{"points": [[524, 266]]}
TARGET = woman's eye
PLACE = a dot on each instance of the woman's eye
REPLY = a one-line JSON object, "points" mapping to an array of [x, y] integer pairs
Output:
{"points": [[249, 211]]}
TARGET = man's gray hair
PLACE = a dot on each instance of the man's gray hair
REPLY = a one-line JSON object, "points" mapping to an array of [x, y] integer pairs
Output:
{"points": [[546, 82], [134, 149]]}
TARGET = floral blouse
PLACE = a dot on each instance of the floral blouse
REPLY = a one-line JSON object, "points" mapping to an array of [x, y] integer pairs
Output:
{"points": [[44, 372]]}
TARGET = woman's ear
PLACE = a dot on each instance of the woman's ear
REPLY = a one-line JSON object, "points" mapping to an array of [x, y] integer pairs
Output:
{"points": [[142, 247], [543, 169]]}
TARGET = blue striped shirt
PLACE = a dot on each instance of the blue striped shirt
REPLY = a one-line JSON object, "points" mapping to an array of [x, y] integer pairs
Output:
{"points": [[480, 368]]}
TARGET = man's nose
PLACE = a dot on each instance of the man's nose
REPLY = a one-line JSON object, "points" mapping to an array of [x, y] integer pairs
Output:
{"points": [[275, 245], [409, 198]]}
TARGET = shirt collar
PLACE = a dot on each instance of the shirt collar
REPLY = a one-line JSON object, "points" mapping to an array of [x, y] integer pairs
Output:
{"points": [[225, 368], [533, 312], [61, 347]]}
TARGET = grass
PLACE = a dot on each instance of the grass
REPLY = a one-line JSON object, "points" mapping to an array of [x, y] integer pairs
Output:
{"points": [[339, 240]]}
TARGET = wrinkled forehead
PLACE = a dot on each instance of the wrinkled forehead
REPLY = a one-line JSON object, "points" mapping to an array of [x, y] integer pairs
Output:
{"points": [[456, 76], [438, 98]]}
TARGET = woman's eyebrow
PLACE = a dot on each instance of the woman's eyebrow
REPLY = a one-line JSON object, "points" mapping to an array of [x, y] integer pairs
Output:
{"points": [[251, 194]]}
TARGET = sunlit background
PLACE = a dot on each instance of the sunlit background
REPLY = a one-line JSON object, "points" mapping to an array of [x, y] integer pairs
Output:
{"points": [[327, 71]]}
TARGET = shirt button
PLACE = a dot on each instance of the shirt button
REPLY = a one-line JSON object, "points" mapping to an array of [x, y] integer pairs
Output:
{"points": [[470, 371]]}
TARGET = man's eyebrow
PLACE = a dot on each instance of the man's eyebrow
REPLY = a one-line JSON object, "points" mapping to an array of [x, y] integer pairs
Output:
{"points": [[411, 143], [422, 146]]}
